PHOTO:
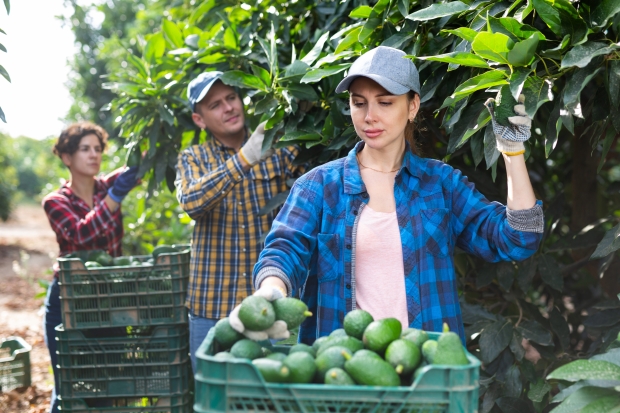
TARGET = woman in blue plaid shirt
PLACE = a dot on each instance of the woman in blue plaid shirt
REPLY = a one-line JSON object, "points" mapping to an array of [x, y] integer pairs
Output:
{"points": [[336, 240]]}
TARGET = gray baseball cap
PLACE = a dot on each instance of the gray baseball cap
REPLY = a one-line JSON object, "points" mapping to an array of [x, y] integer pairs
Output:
{"points": [[386, 66], [199, 87]]}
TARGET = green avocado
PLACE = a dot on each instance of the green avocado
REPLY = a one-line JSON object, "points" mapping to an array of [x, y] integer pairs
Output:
{"points": [[122, 261], [224, 355], [302, 347], [351, 343], [163, 249], [92, 264], [403, 355], [449, 349], [273, 371], [371, 371], [330, 358], [291, 310], [225, 335], [302, 367], [356, 321], [429, 348], [339, 332], [417, 337], [256, 313], [338, 377], [379, 334], [246, 349]]}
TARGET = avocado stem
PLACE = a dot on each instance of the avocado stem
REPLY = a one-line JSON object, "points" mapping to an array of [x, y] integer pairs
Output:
{"points": [[399, 369], [307, 313]]}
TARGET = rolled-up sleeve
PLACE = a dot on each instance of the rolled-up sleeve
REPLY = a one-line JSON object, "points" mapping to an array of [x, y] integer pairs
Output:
{"points": [[200, 190], [488, 229]]}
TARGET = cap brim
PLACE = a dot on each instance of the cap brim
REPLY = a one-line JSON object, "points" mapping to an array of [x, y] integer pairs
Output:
{"points": [[389, 85]]}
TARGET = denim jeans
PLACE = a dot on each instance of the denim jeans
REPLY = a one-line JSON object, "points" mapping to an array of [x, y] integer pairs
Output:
{"points": [[198, 329], [51, 320]]}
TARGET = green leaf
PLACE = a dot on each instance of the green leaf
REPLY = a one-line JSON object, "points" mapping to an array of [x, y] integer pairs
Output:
{"points": [[550, 272], [2, 48], [491, 153], [465, 130], [603, 318], [614, 83], [512, 404], [610, 137], [303, 92], [315, 75], [460, 58], [230, 38], [403, 7], [612, 356], [607, 404], [494, 339], [505, 274], [297, 68], [361, 12], [581, 398], [173, 33], [482, 81], [572, 91], [300, 136], [603, 12], [316, 50], [349, 40], [436, 11], [513, 28], [537, 91], [562, 18], [138, 64], [464, 33], [374, 20], [265, 105], [492, 46], [533, 331], [538, 390], [154, 48], [560, 327], [4, 73], [7, 6], [523, 52], [609, 243], [275, 119], [238, 78], [582, 54], [517, 80], [331, 58], [2, 117], [262, 74], [586, 370]]}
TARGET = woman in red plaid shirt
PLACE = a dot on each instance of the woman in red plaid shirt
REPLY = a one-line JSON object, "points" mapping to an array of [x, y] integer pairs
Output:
{"points": [[84, 212]]}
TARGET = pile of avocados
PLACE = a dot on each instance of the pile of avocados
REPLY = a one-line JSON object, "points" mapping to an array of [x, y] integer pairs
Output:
{"points": [[364, 352], [98, 258]]}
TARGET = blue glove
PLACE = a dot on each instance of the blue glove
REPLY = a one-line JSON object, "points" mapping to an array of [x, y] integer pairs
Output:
{"points": [[125, 182]]}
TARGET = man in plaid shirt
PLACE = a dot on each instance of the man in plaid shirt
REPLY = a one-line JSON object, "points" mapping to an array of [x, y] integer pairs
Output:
{"points": [[223, 184]]}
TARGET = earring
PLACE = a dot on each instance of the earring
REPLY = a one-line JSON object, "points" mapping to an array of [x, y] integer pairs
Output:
{"points": [[410, 120]]}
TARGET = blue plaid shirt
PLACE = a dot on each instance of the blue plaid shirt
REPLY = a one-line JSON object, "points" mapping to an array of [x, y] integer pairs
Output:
{"points": [[311, 245]]}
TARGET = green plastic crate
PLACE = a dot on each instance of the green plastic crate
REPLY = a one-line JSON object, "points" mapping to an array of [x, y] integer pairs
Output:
{"points": [[124, 295], [123, 362], [237, 386], [14, 363], [177, 404]]}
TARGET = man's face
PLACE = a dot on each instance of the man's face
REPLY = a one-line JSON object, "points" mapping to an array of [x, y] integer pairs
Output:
{"points": [[220, 112]]}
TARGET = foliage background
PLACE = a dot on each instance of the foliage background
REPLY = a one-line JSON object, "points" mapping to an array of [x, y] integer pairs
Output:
{"points": [[286, 57]]}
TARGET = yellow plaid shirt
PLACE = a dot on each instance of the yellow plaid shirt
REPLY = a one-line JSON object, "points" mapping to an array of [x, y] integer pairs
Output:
{"points": [[225, 200]]}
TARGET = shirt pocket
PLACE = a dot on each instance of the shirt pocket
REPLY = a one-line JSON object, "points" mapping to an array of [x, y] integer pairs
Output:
{"points": [[329, 262], [436, 224]]}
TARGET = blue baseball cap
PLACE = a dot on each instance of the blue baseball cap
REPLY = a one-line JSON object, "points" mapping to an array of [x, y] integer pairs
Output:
{"points": [[199, 87]]}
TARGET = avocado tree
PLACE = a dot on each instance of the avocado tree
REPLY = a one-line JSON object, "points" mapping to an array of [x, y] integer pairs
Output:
{"points": [[286, 57]]}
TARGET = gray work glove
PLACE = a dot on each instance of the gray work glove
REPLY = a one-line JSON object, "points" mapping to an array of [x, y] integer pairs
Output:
{"points": [[252, 150], [510, 138], [279, 329]]}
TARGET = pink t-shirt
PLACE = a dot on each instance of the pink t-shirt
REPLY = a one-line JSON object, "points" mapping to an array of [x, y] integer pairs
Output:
{"points": [[379, 271]]}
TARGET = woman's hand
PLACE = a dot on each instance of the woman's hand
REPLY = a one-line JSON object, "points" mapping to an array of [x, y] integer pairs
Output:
{"points": [[510, 138]]}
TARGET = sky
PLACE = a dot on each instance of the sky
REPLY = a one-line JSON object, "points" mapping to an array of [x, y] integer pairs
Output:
{"points": [[36, 100]]}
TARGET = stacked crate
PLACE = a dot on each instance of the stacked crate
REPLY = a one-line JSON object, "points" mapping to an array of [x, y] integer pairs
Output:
{"points": [[14, 363], [123, 346]]}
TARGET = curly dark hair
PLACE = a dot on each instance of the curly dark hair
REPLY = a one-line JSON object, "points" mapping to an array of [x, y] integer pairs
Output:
{"points": [[70, 138]]}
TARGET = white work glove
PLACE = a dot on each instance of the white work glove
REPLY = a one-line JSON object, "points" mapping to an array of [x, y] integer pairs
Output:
{"points": [[510, 138], [279, 329], [251, 152]]}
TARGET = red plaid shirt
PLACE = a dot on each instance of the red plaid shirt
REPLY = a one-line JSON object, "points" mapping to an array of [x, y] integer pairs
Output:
{"points": [[78, 227]]}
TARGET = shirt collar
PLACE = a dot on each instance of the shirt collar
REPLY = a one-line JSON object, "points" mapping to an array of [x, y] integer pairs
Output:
{"points": [[353, 183]]}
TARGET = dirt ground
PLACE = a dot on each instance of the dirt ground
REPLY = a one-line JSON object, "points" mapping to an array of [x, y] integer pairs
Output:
{"points": [[27, 250]]}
